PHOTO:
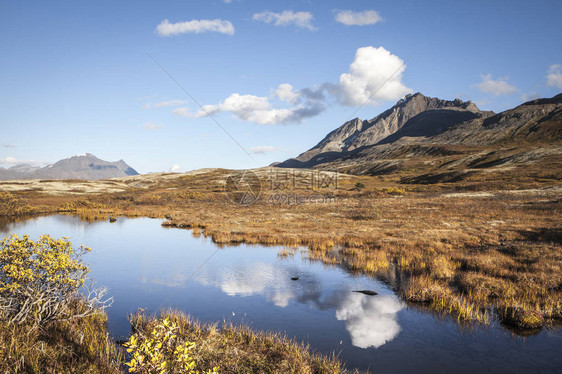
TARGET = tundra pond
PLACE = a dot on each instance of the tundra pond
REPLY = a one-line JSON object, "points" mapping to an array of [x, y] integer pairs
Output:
{"points": [[145, 265]]}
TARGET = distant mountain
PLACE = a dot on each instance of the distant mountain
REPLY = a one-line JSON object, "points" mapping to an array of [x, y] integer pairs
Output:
{"points": [[86, 166], [433, 130]]}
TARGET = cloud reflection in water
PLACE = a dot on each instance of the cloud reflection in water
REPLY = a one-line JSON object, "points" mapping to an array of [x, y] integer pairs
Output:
{"points": [[370, 320]]}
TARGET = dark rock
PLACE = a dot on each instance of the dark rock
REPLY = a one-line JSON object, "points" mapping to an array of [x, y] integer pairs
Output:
{"points": [[367, 292]]}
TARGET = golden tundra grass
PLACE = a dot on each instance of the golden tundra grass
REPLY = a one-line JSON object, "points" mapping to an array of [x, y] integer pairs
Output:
{"points": [[75, 346], [488, 244], [238, 349]]}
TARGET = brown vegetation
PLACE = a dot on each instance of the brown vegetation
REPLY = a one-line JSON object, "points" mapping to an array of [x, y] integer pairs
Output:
{"points": [[238, 349], [475, 248]]}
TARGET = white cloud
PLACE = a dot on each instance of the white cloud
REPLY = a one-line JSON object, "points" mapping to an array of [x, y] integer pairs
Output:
{"points": [[375, 74], [262, 149], [287, 93], [146, 106], [530, 96], [350, 18], [259, 110], [8, 145], [8, 160], [227, 1], [151, 126], [495, 87], [171, 103], [165, 28], [175, 169], [184, 112], [11, 161], [371, 321], [554, 76], [301, 20]]}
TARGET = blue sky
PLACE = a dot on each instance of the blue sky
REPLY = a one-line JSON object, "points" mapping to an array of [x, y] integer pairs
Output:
{"points": [[78, 77]]}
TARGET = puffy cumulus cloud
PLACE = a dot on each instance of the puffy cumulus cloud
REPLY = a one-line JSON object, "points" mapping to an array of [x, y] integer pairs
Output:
{"points": [[350, 18], [301, 20], [165, 28], [496, 87], [262, 149], [371, 321], [287, 93], [258, 109], [175, 169], [375, 74], [554, 76]]}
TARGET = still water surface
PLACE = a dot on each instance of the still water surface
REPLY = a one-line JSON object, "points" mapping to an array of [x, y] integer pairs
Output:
{"points": [[147, 266]]}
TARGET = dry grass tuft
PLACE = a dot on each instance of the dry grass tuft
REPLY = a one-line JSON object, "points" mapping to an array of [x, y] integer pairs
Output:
{"points": [[238, 349]]}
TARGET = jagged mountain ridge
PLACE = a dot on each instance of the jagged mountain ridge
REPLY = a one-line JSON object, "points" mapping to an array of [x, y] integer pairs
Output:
{"points": [[86, 166], [408, 115], [432, 130]]}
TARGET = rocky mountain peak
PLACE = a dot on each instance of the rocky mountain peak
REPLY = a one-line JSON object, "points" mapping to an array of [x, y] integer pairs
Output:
{"points": [[355, 134]]}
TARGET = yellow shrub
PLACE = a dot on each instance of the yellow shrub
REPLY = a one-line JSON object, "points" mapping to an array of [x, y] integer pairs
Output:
{"points": [[40, 280], [162, 351]]}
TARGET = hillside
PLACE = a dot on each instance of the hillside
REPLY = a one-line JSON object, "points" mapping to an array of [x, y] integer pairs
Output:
{"points": [[430, 137], [86, 166]]}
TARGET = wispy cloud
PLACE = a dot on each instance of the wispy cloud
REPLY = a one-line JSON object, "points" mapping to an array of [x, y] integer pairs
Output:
{"points": [[554, 76], [184, 112], [496, 87], [8, 160], [165, 28], [11, 161], [529, 96], [164, 104], [286, 18], [171, 103], [151, 126], [262, 149], [350, 18], [8, 145]]}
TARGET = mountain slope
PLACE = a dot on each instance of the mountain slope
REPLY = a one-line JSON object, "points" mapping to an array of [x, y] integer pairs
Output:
{"points": [[415, 114], [85, 166], [434, 136]]}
